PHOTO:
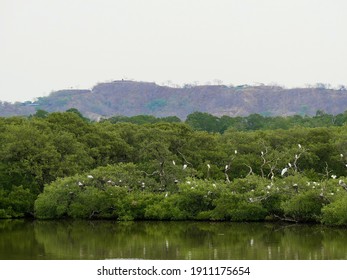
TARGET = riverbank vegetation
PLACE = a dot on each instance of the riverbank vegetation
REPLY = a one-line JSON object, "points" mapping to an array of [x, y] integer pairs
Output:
{"points": [[61, 165]]}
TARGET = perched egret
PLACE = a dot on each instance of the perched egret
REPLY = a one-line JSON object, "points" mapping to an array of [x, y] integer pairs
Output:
{"points": [[226, 167], [299, 146], [90, 176], [235, 152], [284, 170], [333, 176], [343, 184], [173, 162], [184, 166], [80, 183], [289, 164], [208, 166], [341, 155]]}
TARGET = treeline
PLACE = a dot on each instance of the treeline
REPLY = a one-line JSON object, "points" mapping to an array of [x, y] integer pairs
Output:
{"points": [[62, 165], [210, 123]]}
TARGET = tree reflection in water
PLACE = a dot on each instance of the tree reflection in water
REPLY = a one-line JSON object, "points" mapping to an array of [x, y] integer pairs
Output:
{"points": [[21, 239]]}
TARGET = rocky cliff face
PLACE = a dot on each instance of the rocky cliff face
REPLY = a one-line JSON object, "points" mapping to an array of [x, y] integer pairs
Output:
{"points": [[134, 98]]}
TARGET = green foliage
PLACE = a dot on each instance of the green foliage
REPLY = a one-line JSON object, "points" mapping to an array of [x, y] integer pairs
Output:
{"points": [[254, 122], [336, 212], [41, 114], [16, 203], [236, 207], [80, 169], [78, 113], [196, 197], [142, 119], [304, 207]]}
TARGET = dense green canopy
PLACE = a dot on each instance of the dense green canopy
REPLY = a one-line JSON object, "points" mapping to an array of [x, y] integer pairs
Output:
{"points": [[56, 165]]}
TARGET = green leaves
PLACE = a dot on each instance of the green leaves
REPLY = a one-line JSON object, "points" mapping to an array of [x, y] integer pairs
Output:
{"points": [[139, 170]]}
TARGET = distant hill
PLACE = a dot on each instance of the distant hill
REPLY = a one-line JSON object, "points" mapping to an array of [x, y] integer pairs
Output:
{"points": [[131, 98]]}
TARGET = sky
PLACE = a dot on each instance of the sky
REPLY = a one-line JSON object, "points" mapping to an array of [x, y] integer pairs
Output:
{"points": [[48, 45]]}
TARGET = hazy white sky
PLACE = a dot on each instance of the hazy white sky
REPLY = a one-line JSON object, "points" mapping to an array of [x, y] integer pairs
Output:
{"points": [[49, 45]]}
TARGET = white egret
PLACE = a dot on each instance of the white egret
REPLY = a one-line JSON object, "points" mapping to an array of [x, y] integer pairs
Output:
{"points": [[284, 170], [184, 166], [208, 166], [90, 176], [299, 146], [173, 162], [235, 152], [343, 184]]}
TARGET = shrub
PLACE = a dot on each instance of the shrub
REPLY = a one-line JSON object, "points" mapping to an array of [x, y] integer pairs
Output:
{"points": [[304, 207], [235, 207], [54, 202], [165, 208], [336, 212]]}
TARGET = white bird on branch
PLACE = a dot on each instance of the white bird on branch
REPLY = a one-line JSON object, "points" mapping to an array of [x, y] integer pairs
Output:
{"points": [[343, 184], [284, 170]]}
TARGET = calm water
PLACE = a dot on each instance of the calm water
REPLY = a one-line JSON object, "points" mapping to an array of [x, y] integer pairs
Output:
{"points": [[21, 239]]}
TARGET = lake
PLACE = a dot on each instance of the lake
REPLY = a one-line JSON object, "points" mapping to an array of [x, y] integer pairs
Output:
{"points": [[68, 240]]}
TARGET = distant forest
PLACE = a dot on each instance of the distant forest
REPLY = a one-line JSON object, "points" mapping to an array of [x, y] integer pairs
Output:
{"points": [[255, 168], [207, 122]]}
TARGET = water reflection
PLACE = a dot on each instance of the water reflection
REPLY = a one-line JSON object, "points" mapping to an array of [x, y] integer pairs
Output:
{"points": [[21, 239]]}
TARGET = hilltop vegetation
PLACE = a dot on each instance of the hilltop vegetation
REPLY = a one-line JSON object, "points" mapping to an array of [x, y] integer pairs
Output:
{"points": [[207, 122], [62, 165], [128, 98]]}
